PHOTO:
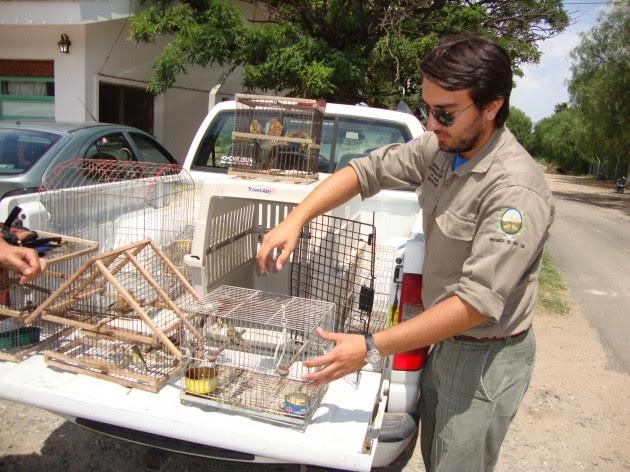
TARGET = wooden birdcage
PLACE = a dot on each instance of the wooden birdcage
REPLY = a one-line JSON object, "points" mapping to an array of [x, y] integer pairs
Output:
{"points": [[253, 352], [125, 306], [64, 255], [276, 137]]}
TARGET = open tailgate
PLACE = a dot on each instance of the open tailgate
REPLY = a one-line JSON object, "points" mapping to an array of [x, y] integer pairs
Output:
{"points": [[335, 438]]}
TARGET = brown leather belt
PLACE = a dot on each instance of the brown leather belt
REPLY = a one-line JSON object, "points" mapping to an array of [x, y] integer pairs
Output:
{"points": [[488, 340]]}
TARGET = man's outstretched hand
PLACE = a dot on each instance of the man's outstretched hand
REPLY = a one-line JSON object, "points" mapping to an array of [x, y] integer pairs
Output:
{"points": [[347, 356], [281, 240]]}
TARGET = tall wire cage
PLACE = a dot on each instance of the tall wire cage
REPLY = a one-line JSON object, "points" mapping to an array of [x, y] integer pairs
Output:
{"points": [[141, 200], [333, 261], [125, 307], [276, 137], [252, 356]]}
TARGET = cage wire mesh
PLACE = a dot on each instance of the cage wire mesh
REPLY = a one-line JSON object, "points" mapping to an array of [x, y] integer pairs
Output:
{"points": [[18, 341], [18, 301], [142, 200], [252, 354], [333, 260], [276, 137], [125, 307]]}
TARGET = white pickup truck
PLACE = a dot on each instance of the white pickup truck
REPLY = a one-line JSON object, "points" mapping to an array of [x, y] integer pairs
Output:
{"points": [[363, 422]]}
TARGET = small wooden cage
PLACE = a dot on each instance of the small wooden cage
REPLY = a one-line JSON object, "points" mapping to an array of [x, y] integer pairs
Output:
{"points": [[125, 306], [251, 358], [276, 137], [64, 255]]}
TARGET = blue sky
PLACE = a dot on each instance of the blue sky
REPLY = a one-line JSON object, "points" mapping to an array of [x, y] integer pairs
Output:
{"points": [[544, 84]]}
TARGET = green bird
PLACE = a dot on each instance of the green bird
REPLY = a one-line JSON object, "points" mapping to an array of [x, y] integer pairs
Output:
{"points": [[235, 336], [137, 359]]}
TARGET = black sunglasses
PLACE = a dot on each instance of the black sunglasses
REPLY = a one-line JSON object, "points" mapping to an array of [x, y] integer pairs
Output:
{"points": [[445, 118]]}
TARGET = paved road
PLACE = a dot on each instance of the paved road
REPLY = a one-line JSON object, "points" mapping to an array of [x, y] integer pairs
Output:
{"points": [[590, 244]]}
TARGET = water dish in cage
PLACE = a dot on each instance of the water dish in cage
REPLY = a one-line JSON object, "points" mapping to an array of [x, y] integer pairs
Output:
{"points": [[296, 404], [201, 380]]}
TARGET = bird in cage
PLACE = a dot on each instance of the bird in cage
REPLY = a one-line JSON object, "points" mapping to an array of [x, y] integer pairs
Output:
{"points": [[213, 330], [235, 336], [255, 127], [121, 305], [274, 127], [137, 359]]}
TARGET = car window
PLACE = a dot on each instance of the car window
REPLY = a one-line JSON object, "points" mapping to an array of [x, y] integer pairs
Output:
{"points": [[151, 150], [111, 146], [343, 139], [217, 143], [357, 137], [20, 149]]}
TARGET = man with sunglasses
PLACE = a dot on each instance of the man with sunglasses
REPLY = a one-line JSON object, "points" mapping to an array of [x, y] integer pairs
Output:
{"points": [[487, 211]]}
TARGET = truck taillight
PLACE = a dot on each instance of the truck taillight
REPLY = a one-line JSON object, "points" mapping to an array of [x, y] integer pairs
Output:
{"points": [[410, 305]]}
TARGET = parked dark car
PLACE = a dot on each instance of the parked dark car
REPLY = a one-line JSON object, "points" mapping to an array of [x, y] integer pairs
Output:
{"points": [[29, 151]]}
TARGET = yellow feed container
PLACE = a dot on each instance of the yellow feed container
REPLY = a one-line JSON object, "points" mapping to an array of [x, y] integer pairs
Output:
{"points": [[201, 380]]}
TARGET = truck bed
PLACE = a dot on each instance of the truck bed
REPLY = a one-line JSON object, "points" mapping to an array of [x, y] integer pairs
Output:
{"points": [[335, 438]]}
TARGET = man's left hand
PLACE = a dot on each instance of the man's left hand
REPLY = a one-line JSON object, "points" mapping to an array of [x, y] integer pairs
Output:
{"points": [[347, 356]]}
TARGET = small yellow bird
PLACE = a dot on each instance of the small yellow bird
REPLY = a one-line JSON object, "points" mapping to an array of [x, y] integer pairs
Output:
{"points": [[275, 128], [121, 306], [255, 127], [137, 359], [235, 336]]}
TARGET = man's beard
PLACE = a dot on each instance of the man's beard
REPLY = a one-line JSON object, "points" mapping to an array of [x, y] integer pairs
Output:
{"points": [[466, 141]]}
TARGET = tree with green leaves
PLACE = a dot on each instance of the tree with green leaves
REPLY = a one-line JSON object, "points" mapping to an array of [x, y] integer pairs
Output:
{"points": [[342, 51], [559, 138], [521, 125], [598, 88]]}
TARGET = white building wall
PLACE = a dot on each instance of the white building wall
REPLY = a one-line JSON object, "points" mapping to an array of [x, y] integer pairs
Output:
{"points": [[102, 51]]}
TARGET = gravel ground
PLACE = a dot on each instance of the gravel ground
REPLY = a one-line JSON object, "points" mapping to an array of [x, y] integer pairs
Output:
{"points": [[575, 417]]}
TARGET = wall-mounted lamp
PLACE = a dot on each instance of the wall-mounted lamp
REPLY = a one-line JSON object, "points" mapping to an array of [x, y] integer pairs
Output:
{"points": [[64, 44]]}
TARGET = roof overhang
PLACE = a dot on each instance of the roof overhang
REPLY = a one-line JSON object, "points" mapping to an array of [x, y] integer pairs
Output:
{"points": [[68, 12]]}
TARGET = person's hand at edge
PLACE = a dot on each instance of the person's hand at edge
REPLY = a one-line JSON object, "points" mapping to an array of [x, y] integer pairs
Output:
{"points": [[24, 260]]}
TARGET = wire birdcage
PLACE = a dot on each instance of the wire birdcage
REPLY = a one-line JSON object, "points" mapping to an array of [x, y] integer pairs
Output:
{"points": [[276, 137], [333, 260], [141, 200], [252, 354], [125, 306]]}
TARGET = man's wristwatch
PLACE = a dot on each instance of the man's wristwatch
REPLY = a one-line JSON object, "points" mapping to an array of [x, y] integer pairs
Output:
{"points": [[374, 356]]}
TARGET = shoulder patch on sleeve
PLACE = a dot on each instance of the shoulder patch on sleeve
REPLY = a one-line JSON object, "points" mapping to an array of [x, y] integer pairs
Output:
{"points": [[510, 221]]}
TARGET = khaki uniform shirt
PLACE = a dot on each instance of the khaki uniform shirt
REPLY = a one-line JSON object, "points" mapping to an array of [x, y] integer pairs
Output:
{"points": [[485, 223]]}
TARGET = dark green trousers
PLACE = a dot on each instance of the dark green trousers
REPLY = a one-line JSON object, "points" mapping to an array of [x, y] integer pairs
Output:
{"points": [[469, 394]]}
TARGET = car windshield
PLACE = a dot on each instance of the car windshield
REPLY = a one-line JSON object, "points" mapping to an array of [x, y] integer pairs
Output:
{"points": [[20, 149]]}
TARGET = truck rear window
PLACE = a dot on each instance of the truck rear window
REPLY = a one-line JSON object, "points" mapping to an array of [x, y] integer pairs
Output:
{"points": [[343, 139]]}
